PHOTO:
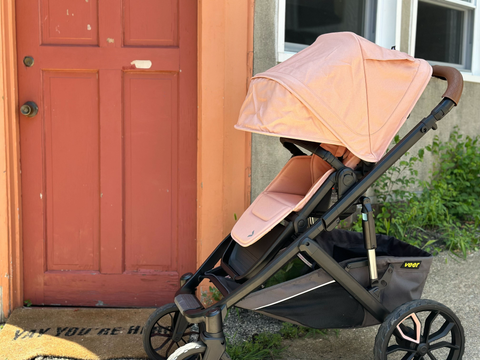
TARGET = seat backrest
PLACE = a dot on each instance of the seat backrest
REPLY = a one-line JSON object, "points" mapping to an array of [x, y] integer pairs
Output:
{"points": [[258, 228]]}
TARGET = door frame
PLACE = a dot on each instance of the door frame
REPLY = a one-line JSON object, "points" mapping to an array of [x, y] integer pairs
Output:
{"points": [[11, 255], [225, 60]]}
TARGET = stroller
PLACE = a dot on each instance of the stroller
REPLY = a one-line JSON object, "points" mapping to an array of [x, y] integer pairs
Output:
{"points": [[342, 100]]}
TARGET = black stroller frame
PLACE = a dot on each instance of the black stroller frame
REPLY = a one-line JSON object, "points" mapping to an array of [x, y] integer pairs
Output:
{"points": [[350, 192]]}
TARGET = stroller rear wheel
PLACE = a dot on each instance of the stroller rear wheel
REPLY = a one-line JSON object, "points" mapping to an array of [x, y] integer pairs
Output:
{"points": [[420, 329], [158, 333]]}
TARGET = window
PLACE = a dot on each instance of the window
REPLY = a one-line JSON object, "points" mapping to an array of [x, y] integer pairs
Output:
{"points": [[305, 20], [440, 31], [300, 22], [444, 32]]}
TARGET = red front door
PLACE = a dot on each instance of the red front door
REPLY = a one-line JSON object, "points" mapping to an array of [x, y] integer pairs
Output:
{"points": [[109, 162]]}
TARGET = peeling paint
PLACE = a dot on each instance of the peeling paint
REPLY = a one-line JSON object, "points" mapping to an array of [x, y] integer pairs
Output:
{"points": [[89, 27], [110, 40], [100, 303], [41, 196], [56, 28], [142, 64], [101, 194], [67, 12]]}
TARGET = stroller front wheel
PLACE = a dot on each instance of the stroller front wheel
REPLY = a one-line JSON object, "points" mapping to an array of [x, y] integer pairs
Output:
{"points": [[420, 329], [191, 351], [158, 333]]}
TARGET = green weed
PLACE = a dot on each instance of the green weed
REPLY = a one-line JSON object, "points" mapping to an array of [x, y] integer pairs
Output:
{"points": [[268, 346], [293, 269], [262, 346], [448, 203], [291, 331], [211, 296]]}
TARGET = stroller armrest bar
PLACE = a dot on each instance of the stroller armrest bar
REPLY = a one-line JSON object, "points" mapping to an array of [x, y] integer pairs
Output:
{"points": [[295, 151], [329, 158], [316, 149], [454, 80]]}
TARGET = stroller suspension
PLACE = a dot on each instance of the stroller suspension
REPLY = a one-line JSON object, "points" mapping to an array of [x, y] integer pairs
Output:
{"points": [[370, 238]]}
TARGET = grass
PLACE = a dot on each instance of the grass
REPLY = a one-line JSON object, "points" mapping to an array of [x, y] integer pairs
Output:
{"points": [[269, 346]]}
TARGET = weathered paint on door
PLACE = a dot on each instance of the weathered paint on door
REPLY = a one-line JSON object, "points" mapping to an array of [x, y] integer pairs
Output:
{"points": [[109, 162]]}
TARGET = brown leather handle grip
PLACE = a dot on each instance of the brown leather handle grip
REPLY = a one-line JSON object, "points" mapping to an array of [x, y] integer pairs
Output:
{"points": [[454, 80]]}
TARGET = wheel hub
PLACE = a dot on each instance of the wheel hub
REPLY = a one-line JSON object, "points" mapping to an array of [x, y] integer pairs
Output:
{"points": [[422, 349]]}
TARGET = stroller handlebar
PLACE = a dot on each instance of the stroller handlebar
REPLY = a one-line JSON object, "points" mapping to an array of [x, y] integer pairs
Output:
{"points": [[454, 79]]}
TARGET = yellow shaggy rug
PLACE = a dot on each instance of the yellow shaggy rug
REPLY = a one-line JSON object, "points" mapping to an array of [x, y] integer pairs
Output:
{"points": [[78, 333]]}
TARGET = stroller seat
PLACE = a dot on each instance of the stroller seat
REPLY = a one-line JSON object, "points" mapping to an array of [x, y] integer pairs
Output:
{"points": [[291, 189]]}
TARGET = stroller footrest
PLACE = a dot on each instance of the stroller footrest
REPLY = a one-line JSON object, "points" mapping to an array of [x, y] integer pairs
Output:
{"points": [[187, 302]]}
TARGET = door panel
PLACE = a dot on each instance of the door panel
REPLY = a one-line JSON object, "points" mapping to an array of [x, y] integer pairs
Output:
{"points": [[109, 161], [150, 179], [72, 170], [69, 22], [151, 22]]}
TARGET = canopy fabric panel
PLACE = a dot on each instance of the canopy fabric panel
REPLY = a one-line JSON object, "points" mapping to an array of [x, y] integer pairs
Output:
{"points": [[342, 90]]}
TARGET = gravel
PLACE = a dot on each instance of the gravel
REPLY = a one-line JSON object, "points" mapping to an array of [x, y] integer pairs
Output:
{"points": [[242, 324]]}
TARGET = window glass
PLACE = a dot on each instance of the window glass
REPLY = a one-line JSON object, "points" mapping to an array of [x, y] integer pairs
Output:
{"points": [[439, 33], [305, 20]]}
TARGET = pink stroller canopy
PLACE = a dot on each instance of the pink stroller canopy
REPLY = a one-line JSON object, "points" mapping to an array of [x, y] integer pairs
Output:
{"points": [[342, 90]]}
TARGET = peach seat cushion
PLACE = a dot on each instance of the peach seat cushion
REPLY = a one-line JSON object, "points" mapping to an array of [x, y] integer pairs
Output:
{"points": [[291, 189]]}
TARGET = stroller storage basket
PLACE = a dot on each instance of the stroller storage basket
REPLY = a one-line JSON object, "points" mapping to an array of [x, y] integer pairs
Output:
{"points": [[317, 301]]}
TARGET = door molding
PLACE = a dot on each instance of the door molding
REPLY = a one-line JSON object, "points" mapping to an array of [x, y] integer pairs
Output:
{"points": [[225, 54], [11, 254]]}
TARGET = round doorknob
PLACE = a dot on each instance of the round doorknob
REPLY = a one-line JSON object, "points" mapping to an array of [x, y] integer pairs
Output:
{"points": [[29, 109]]}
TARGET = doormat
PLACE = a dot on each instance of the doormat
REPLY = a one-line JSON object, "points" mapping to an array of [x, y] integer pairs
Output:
{"points": [[76, 333]]}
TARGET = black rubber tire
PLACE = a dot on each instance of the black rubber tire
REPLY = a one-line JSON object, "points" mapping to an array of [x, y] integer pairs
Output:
{"points": [[388, 327], [169, 314]]}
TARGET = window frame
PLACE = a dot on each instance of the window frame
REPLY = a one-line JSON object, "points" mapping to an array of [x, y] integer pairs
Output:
{"points": [[389, 12], [469, 8], [472, 74]]}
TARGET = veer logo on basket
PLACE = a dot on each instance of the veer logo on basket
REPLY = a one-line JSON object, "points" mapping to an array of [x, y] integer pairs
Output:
{"points": [[411, 265]]}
